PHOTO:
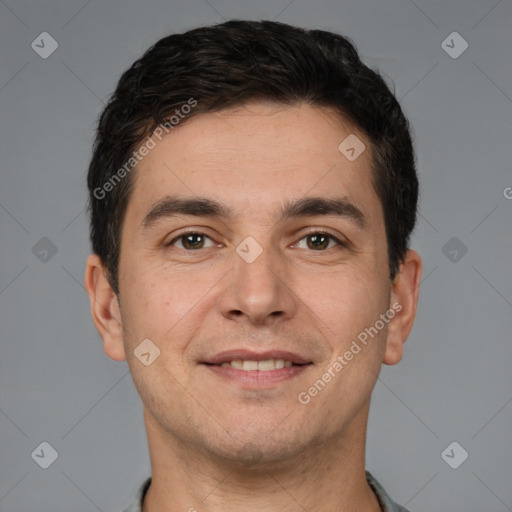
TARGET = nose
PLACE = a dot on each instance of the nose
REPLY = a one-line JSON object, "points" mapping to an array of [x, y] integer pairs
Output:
{"points": [[258, 292]]}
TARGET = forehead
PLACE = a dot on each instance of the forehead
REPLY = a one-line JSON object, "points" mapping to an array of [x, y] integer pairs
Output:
{"points": [[252, 157]]}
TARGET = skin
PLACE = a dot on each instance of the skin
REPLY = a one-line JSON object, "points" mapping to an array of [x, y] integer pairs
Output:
{"points": [[216, 445]]}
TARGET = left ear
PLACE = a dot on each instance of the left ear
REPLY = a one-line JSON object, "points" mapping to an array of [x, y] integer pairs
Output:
{"points": [[404, 301]]}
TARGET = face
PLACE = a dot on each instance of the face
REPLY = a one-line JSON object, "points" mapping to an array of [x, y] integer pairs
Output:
{"points": [[254, 257]]}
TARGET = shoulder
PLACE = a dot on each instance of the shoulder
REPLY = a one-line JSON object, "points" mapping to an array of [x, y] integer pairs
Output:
{"points": [[136, 504], [387, 504]]}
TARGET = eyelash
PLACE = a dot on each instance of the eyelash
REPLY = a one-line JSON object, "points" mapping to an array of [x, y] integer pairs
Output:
{"points": [[311, 233]]}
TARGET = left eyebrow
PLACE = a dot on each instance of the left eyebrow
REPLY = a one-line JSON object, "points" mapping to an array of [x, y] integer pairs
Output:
{"points": [[314, 206], [171, 206]]}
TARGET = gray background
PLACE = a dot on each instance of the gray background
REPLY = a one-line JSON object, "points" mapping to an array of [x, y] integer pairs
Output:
{"points": [[454, 384]]}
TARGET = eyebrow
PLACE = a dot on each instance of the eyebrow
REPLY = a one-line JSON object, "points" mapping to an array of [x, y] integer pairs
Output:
{"points": [[170, 206]]}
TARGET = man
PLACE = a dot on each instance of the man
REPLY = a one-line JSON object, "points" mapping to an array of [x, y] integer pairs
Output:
{"points": [[252, 194]]}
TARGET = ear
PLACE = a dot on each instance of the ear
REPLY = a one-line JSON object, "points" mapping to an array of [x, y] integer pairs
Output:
{"points": [[404, 301], [105, 310]]}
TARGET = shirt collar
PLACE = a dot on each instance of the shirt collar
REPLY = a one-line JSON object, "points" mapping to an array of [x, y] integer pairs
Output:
{"points": [[386, 503]]}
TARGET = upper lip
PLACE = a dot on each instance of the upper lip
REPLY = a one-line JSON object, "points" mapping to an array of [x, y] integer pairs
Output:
{"points": [[248, 355]]}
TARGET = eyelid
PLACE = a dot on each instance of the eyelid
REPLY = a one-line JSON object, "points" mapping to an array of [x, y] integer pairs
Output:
{"points": [[341, 241], [189, 231]]}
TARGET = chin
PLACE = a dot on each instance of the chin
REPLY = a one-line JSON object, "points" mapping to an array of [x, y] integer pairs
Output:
{"points": [[264, 452]]}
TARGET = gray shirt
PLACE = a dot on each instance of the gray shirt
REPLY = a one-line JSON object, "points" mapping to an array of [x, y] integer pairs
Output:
{"points": [[386, 503]]}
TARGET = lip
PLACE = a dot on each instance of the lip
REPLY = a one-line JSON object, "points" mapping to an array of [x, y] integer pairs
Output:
{"points": [[256, 379], [248, 355]]}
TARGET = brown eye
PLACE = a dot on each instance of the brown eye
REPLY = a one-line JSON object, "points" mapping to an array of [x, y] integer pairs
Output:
{"points": [[319, 241], [190, 241]]}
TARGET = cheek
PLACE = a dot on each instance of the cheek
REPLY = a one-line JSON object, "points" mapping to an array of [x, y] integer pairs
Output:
{"points": [[161, 301], [346, 307], [345, 302]]}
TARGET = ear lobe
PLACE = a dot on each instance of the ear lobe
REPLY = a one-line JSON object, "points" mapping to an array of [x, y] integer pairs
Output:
{"points": [[105, 310], [404, 299]]}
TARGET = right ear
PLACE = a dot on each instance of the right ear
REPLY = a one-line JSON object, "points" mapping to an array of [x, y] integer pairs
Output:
{"points": [[105, 310]]}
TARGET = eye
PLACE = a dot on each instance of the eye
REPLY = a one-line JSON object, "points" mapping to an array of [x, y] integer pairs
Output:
{"points": [[192, 240], [319, 241]]}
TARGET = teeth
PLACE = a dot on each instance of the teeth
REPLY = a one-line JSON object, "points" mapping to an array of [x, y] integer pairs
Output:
{"points": [[250, 365], [266, 366], [263, 366]]}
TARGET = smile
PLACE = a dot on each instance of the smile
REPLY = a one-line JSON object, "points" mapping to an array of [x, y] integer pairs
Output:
{"points": [[262, 366]]}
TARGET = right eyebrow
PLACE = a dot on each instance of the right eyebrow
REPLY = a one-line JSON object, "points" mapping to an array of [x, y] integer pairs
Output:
{"points": [[171, 206]]}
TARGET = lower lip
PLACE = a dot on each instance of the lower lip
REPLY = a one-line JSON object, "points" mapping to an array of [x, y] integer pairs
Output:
{"points": [[257, 378]]}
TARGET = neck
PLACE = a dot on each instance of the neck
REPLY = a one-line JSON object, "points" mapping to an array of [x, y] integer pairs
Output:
{"points": [[326, 477]]}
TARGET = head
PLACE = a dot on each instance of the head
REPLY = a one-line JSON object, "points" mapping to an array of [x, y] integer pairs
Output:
{"points": [[227, 214]]}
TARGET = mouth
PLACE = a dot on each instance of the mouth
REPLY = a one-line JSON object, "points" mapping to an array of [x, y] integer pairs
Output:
{"points": [[255, 370], [267, 365]]}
